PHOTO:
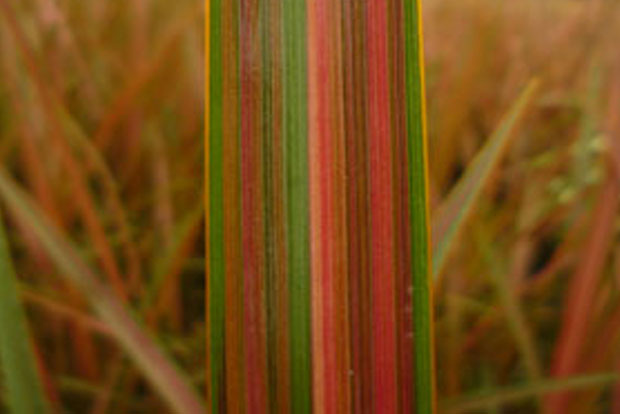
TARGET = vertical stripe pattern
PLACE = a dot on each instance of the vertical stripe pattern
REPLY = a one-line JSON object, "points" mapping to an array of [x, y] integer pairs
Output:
{"points": [[318, 294]]}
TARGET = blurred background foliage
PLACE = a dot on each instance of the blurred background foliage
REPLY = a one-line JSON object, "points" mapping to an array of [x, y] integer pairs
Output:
{"points": [[530, 290], [101, 122]]}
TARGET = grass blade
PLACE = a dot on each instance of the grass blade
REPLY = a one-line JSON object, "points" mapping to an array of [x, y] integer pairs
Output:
{"points": [[25, 391], [581, 296], [456, 208], [504, 396], [156, 368]]}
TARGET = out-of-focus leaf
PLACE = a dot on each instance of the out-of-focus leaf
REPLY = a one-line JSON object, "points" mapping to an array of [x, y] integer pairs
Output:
{"points": [[452, 214], [507, 296], [25, 392], [504, 396], [152, 362]]}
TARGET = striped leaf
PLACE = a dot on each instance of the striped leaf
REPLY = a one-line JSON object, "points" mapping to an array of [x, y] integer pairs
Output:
{"points": [[317, 223]]}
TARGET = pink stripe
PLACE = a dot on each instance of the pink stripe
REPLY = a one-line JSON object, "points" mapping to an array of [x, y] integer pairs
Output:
{"points": [[382, 211], [252, 212], [326, 175], [322, 175], [318, 370]]}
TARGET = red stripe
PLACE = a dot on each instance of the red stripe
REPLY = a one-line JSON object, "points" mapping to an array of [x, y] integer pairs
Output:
{"points": [[382, 211], [357, 207], [403, 236], [339, 252], [326, 224], [252, 212], [235, 318], [315, 210], [325, 378]]}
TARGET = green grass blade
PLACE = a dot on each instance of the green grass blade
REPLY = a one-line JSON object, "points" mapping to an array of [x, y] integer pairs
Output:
{"points": [[505, 396], [25, 392], [454, 211], [419, 212], [154, 365]]}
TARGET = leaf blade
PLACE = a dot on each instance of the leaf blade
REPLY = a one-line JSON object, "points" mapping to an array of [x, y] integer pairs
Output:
{"points": [[17, 358], [452, 214], [513, 394]]}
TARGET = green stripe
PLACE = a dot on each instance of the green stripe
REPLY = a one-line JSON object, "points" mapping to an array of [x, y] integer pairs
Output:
{"points": [[295, 137], [216, 288], [422, 303], [268, 125]]}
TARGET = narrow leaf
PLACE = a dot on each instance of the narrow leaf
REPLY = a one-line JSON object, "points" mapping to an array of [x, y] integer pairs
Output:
{"points": [[17, 358], [454, 211], [510, 395]]}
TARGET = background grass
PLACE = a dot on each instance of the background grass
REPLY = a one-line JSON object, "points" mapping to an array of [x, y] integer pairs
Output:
{"points": [[101, 113]]}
